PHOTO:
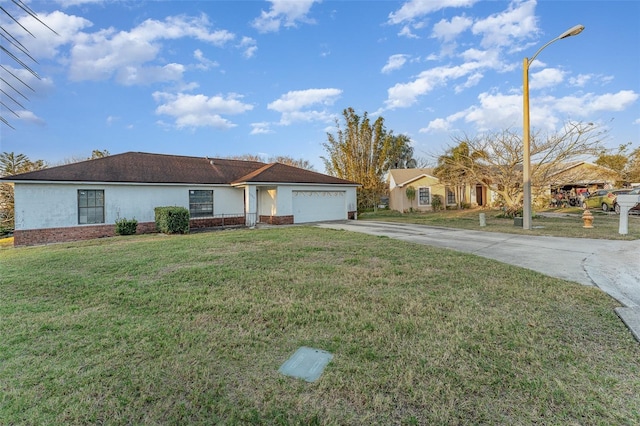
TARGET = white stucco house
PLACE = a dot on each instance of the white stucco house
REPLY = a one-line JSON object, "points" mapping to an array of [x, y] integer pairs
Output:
{"points": [[83, 200]]}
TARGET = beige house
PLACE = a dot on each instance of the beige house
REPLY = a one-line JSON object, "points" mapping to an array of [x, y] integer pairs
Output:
{"points": [[583, 174], [426, 186]]}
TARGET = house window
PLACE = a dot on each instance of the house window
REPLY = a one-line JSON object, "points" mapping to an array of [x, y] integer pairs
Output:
{"points": [[424, 196], [451, 196], [200, 203], [90, 206]]}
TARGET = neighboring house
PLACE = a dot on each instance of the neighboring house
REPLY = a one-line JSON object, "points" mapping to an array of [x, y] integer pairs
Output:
{"points": [[83, 200], [582, 174], [426, 185]]}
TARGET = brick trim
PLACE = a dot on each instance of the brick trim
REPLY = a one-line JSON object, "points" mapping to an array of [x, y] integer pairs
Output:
{"points": [[32, 237], [276, 220], [216, 222]]}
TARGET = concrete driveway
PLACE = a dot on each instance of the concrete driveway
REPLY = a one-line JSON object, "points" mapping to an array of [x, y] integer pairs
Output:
{"points": [[611, 265]]}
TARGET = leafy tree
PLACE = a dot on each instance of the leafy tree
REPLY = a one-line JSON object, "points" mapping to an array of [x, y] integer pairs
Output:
{"points": [[496, 158], [454, 167], [96, 153], [411, 195], [633, 166], [363, 152], [12, 164], [617, 161]]}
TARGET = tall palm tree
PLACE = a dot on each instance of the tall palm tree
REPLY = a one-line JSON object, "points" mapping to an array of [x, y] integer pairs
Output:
{"points": [[454, 168]]}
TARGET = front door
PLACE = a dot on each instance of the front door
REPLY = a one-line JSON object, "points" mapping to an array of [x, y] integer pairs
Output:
{"points": [[479, 195]]}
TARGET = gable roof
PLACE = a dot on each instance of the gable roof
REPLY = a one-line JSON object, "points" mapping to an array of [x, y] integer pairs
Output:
{"points": [[140, 167], [403, 177], [283, 173]]}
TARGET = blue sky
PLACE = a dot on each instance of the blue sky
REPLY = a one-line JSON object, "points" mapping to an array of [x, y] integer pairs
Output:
{"points": [[223, 78]]}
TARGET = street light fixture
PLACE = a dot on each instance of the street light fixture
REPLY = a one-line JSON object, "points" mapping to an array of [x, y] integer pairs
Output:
{"points": [[526, 133]]}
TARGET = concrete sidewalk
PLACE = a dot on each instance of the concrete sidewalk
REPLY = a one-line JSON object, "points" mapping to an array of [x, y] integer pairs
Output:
{"points": [[611, 265]]}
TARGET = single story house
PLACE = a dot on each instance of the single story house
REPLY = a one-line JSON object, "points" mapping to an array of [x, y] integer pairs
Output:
{"points": [[426, 185], [83, 200], [582, 175]]}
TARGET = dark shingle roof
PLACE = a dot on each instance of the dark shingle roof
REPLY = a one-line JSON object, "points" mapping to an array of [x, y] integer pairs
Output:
{"points": [[282, 173], [140, 167]]}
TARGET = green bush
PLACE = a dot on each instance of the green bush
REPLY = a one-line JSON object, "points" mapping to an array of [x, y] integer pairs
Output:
{"points": [[172, 220], [436, 202], [125, 226]]}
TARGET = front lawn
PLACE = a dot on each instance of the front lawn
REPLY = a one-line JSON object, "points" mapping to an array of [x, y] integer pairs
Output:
{"points": [[192, 329]]}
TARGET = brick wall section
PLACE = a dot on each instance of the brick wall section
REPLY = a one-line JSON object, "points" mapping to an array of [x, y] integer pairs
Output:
{"points": [[215, 222], [276, 220], [32, 237]]}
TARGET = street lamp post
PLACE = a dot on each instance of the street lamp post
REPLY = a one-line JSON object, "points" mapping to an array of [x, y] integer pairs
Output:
{"points": [[526, 132]]}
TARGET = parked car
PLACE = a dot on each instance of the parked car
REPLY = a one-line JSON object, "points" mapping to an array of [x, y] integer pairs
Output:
{"points": [[635, 209], [604, 199]]}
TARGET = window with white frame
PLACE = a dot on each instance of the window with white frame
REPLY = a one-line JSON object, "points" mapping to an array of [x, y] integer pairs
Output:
{"points": [[451, 195], [424, 196], [200, 203], [90, 206]]}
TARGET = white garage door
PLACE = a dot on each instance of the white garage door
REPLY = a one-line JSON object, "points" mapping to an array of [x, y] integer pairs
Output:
{"points": [[314, 206]]}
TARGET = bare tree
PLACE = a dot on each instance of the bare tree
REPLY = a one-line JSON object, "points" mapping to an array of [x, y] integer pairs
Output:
{"points": [[283, 159], [496, 159]]}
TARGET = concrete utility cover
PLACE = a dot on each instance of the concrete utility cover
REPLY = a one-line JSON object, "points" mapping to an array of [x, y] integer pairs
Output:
{"points": [[307, 364]]}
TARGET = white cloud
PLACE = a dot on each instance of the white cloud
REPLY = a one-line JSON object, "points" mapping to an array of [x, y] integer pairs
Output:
{"points": [[548, 77], [131, 56], [502, 111], [203, 63], [44, 43], [591, 103], [437, 125], [406, 94], [69, 3], [293, 105], [131, 75], [261, 128], [250, 47], [30, 117], [200, 110], [414, 9], [449, 30], [395, 62], [298, 99], [517, 22], [406, 32], [472, 81], [581, 80], [18, 77], [283, 12]]}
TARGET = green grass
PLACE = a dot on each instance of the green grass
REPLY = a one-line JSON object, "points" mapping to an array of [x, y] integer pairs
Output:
{"points": [[563, 223], [192, 329]]}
